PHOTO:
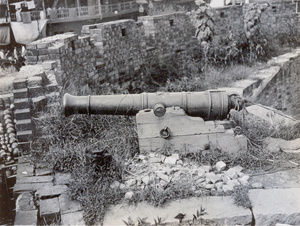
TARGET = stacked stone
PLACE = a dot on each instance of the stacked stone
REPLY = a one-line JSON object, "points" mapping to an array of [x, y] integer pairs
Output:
{"points": [[22, 114], [120, 46], [41, 197], [161, 172], [168, 33]]}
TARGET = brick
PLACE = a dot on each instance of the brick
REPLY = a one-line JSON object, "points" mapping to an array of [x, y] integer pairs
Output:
{"points": [[42, 45], [31, 59], [25, 170], [20, 93], [24, 136], [25, 202], [30, 46], [34, 81], [51, 191], [35, 179], [43, 52], [62, 178], [20, 83], [23, 125], [26, 217], [67, 205], [75, 218], [49, 65], [43, 57], [50, 211], [32, 52], [21, 114], [18, 188], [21, 103]]}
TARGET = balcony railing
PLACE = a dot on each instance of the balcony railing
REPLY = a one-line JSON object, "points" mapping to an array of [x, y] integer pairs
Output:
{"points": [[80, 13]]}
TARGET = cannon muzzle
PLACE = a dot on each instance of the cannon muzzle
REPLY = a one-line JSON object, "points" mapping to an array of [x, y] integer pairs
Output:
{"points": [[213, 104]]}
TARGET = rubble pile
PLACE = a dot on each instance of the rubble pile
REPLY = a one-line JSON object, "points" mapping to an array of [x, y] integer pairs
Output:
{"points": [[159, 171]]}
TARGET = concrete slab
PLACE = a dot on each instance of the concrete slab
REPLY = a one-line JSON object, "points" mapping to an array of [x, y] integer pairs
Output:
{"points": [[275, 201], [47, 192], [216, 207], [75, 218], [282, 179], [26, 217], [50, 211], [67, 205], [30, 187], [36, 179]]}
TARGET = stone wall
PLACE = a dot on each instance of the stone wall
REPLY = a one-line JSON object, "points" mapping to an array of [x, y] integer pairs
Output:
{"points": [[112, 51], [282, 90]]}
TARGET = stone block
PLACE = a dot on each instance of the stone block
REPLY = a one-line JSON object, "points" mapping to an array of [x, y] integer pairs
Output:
{"points": [[21, 114], [21, 103], [75, 218], [20, 84], [20, 93], [50, 211], [212, 177], [31, 59], [220, 166], [18, 188], [43, 57], [25, 202], [163, 176], [25, 170], [43, 172], [51, 191], [24, 136], [62, 178], [23, 125], [49, 65], [26, 217], [67, 205], [36, 179]]}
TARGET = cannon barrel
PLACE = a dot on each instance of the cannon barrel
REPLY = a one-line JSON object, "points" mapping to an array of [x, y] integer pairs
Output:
{"points": [[212, 104]]}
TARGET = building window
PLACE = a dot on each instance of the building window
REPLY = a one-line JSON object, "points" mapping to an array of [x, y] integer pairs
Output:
{"points": [[171, 23], [123, 32]]}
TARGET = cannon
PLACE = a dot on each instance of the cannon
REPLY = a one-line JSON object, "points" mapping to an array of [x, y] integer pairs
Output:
{"points": [[179, 121]]}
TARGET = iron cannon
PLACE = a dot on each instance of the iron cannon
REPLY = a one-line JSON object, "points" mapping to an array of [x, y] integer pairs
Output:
{"points": [[213, 104], [182, 121]]}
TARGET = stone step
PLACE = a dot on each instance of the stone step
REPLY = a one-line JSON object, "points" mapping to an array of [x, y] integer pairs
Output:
{"points": [[28, 217], [23, 125], [20, 93], [20, 83], [21, 114], [24, 136], [21, 103]]}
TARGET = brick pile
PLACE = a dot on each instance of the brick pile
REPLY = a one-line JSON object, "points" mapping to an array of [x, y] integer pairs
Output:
{"points": [[41, 197]]}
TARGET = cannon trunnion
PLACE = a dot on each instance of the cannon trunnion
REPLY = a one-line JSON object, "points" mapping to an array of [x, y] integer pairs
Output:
{"points": [[182, 121]]}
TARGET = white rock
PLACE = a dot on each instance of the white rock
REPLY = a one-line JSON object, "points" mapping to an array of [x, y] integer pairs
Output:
{"points": [[115, 184], [219, 186], [130, 182], [209, 186], [227, 188], [205, 168], [220, 166], [122, 186], [233, 183], [201, 172], [142, 157], [179, 162], [232, 173], [212, 177], [170, 160], [225, 179], [244, 180], [146, 179], [128, 195], [163, 177]]}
